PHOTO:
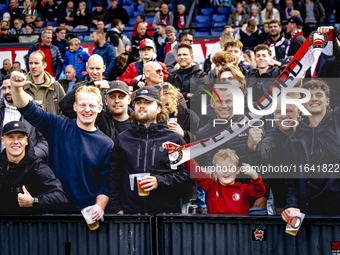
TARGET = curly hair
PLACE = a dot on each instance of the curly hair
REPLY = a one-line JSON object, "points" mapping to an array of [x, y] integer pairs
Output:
{"points": [[162, 116]]}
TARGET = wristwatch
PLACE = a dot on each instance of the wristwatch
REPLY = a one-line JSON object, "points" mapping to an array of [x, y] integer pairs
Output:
{"points": [[35, 201]]}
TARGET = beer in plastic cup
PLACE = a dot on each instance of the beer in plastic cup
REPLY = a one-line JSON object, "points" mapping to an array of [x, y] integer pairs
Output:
{"points": [[93, 225], [171, 120], [294, 222], [139, 177], [141, 191]]}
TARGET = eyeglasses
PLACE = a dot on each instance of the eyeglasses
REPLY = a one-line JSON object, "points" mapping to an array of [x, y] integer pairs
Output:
{"points": [[16, 23], [191, 41], [159, 71], [165, 87]]}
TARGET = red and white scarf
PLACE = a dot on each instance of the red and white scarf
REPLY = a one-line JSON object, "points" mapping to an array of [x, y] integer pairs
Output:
{"points": [[300, 63], [164, 19], [181, 20], [272, 46], [296, 33]]}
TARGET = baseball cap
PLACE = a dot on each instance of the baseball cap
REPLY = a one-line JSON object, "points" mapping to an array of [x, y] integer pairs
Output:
{"points": [[148, 93], [118, 86], [296, 19], [170, 29], [145, 43], [15, 126], [5, 28], [38, 19], [6, 16]]}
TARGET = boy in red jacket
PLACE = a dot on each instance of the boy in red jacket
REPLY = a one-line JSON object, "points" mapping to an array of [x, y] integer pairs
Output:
{"points": [[225, 196]]}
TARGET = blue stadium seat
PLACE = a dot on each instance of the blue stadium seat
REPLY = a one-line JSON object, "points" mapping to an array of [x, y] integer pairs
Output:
{"points": [[3, 8], [52, 23], [223, 10], [217, 31], [207, 12], [140, 8], [87, 38], [331, 18], [93, 8], [202, 20], [149, 19], [206, 29], [129, 9], [80, 36], [219, 19], [92, 29], [202, 33], [128, 34], [131, 23]]}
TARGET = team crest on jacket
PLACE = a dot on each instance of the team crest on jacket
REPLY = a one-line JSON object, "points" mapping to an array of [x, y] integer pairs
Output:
{"points": [[236, 197]]}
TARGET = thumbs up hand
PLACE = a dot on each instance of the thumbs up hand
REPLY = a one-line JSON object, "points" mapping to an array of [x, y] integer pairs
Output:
{"points": [[25, 200]]}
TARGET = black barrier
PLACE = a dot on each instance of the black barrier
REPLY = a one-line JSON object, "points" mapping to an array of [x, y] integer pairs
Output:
{"points": [[167, 234], [245, 235], [69, 234]]}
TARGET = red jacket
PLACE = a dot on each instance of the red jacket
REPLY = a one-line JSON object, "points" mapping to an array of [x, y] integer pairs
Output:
{"points": [[148, 27], [230, 199], [134, 73]]}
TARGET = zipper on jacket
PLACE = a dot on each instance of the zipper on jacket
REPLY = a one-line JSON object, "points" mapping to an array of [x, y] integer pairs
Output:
{"points": [[145, 159], [138, 154], [153, 148]]}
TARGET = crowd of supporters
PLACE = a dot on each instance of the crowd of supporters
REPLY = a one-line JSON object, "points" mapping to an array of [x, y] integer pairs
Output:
{"points": [[78, 129]]}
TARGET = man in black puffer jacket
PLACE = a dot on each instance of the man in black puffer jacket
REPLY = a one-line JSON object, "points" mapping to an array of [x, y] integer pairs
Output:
{"points": [[27, 184], [139, 150]]}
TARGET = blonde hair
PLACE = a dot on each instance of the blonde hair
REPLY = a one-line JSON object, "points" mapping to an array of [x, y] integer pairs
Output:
{"points": [[172, 92], [89, 89], [226, 154], [74, 41]]}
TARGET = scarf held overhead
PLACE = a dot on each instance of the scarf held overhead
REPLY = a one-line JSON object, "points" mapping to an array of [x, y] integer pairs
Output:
{"points": [[302, 60]]}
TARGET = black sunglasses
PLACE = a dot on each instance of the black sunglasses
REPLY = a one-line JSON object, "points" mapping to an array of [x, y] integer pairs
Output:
{"points": [[165, 87]]}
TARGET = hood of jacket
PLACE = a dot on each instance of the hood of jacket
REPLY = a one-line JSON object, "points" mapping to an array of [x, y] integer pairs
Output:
{"points": [[245, 31], [49, 80]]}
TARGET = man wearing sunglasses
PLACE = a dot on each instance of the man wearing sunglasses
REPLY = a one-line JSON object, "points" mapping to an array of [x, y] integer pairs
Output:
{"points": [[154, 75], [133, 76]]}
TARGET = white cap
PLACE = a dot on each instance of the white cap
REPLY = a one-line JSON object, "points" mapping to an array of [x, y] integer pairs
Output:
{"points": [[6, 16]]}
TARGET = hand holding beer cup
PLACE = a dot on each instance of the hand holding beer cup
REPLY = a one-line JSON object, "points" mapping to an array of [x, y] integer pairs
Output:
{"points": [[92, 215], [285, 214], [148, 183]]}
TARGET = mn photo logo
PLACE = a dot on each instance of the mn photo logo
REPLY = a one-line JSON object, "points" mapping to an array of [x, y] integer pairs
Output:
{"points": [[265, 106], [259, 235]]}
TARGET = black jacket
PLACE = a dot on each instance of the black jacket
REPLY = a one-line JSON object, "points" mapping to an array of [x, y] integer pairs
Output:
{"points": [[261, 83], [37, 140], [188, 120], [271, 151], [186, 86], [315, 192], [295, 45], [38, 179], [64, 83], [139, 150], [118, 13], [319, 11]]}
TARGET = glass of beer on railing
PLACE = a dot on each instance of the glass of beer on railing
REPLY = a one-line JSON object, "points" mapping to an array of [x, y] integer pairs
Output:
{"points": [[87, 214]]}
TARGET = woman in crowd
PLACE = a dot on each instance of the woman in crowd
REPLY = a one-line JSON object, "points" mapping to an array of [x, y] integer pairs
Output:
{"points": [[270, 12], [182, 120], [30, 38]]}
